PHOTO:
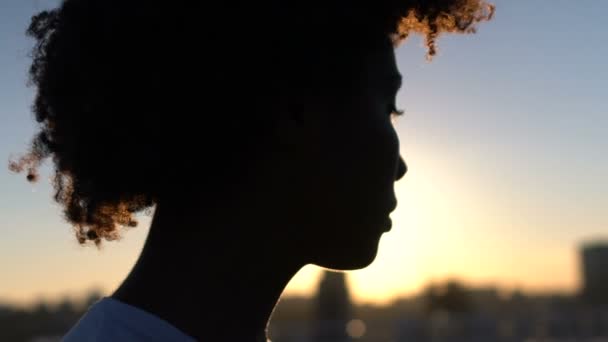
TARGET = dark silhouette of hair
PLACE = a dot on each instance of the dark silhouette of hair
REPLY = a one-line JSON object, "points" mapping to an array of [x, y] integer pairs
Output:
{"points": [[137, 99]]}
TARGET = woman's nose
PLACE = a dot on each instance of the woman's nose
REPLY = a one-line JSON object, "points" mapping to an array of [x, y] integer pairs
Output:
{"points": [[401, 169]]}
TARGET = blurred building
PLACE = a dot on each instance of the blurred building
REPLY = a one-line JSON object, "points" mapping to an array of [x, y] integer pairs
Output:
{"points": [[332, 309], [594, 257]]}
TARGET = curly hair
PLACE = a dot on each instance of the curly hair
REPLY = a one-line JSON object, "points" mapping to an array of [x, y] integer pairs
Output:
{"points": [[121, 87]]}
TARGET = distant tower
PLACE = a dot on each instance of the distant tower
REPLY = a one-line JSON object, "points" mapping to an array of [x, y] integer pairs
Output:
{"points": [[595, 273], [333, 309]]}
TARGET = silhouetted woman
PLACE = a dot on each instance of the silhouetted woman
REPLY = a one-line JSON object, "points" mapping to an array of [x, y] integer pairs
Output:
{"points": [[261, 132]]}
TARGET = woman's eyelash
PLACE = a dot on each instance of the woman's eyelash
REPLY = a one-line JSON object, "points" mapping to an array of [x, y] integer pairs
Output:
{"points": [[394, 111]]}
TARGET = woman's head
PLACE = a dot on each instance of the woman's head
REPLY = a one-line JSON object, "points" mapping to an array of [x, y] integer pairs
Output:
{"points": [[141, 102]]}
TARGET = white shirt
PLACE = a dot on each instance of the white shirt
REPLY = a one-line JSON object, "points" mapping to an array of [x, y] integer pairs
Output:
{"points": [[112, 320]]}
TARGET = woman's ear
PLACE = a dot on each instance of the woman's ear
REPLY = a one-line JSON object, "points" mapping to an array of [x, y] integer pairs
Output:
{"points": [[297, 123]]}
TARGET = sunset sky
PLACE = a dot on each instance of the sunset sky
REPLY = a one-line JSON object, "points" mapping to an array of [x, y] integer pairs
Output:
{"points": [[505, 136]]}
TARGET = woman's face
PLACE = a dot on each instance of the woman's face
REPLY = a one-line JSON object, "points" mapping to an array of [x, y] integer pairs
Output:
{"points": [[352, 168]]}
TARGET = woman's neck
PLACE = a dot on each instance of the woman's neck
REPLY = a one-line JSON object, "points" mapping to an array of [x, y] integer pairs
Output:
{"points": [[212, 286]]}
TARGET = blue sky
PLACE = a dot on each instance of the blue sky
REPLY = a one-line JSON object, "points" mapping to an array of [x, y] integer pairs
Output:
{"points": [[505, 136]]}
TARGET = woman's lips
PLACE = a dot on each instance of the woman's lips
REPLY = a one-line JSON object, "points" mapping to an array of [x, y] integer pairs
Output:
{"points": [[388, 224]]}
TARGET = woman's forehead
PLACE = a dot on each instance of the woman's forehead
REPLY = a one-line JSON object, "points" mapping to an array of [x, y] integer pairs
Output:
{"points": [[380, 70]]}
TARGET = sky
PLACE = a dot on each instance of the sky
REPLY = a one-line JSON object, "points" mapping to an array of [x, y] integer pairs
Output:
{"points": [[505, 135]]}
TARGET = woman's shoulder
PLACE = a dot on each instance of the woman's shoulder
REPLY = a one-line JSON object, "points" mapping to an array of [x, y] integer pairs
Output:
{"points": [[112, 320]]}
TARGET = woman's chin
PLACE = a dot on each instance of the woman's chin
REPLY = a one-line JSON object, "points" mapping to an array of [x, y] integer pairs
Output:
{"points": [[354, 258]]}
